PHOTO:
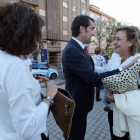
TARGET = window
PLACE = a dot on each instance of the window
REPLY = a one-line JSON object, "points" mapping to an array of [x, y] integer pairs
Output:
{"points": [[74, 8], [55, 30], [92, 39], [104, 19], [12, 1], [32, 7], [92, 15], [65, 32], [55, 16], [91, 46], [65, 5], [44, 29], [54, 44], [98, 18], [65, 18], [42, 12], [49, 27], [43, 67], [34, 66], [84, 1], [83, 12]]}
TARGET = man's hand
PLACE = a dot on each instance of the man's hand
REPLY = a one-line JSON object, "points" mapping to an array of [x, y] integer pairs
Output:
{"points": [[110, 96], [133, 61]]}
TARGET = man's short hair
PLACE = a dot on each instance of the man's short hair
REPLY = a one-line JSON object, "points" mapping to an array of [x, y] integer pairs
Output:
{"points": [[81, 20]]}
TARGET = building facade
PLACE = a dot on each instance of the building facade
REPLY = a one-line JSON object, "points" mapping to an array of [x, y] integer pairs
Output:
{"points": [[96, 14], [40, 8], [56, 32], [60, 14]]}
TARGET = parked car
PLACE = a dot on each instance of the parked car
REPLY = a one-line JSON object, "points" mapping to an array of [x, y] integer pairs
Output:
{"points": [[41, 69]]}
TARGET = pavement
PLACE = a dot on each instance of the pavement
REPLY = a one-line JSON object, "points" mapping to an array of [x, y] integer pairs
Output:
{"points": [[97, 121]]}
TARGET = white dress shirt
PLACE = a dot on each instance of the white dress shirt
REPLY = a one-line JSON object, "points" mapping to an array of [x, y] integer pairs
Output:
{"points": [[22, 114], [79, 42]]}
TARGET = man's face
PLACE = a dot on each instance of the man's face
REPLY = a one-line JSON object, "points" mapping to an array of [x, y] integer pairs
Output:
{"points": [[88, 33]]}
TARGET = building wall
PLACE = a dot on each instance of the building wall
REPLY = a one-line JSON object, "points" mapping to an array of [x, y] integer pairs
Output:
{"points": [[96, 14], [39, 7], [58, 16], [41, 10], [67, 11], [67, 14], [52, 20]]}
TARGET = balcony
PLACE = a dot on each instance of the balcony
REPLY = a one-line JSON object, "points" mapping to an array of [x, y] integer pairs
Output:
{"points": [[33, 2], [2, 2]]}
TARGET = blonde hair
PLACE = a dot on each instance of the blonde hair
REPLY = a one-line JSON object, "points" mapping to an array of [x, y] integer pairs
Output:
{"points": [[132, 32], [138, 35]]}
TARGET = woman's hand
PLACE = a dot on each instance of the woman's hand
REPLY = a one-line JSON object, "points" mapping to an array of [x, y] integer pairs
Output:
{"points": [[51, 89], [110, 96], [42, 79]]}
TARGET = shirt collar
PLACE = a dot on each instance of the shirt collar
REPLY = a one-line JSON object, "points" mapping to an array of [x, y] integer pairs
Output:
{"points": [[79, 42]]}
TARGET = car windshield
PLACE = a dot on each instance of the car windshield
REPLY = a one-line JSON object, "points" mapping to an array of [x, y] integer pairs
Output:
{"points": [[43, 67], [34, 66]]}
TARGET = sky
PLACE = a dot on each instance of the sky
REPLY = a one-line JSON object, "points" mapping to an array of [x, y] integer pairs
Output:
{"points": [[122, 10]]}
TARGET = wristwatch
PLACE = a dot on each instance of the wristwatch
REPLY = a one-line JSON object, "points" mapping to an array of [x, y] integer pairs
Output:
{"points": [[49, 98]]}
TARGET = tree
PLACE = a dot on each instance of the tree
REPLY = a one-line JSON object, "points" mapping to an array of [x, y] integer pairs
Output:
{"points": [[104, 31], [100, 31], [110, 32]]}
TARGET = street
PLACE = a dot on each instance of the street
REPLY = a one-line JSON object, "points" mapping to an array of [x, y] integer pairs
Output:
{"points": [[96, 43], [60, 74], [97, 122]]}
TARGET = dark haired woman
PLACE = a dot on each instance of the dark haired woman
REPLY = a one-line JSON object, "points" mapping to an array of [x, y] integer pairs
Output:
{"points": [[23, 114]]}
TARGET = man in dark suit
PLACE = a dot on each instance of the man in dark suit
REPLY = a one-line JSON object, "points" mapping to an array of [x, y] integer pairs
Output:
{"points": [[80, 77]]}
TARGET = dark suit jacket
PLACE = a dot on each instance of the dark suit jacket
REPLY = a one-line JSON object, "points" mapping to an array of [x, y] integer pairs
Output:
{"points": [[80, 77]]}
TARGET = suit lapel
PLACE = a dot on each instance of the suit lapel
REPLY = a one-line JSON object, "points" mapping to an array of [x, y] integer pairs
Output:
{"points": [[92, 61], [81, 50]]}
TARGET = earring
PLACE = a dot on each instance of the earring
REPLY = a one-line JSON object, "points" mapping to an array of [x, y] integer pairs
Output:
{"points": [[129, 45]]}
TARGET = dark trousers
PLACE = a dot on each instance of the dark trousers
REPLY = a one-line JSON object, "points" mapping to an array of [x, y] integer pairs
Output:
{"points": [[43, 136], [78, 127], [97, 93], [113, 137]]}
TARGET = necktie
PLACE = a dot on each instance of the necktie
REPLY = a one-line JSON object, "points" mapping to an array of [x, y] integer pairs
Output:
{"points": [[86, 50]]}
